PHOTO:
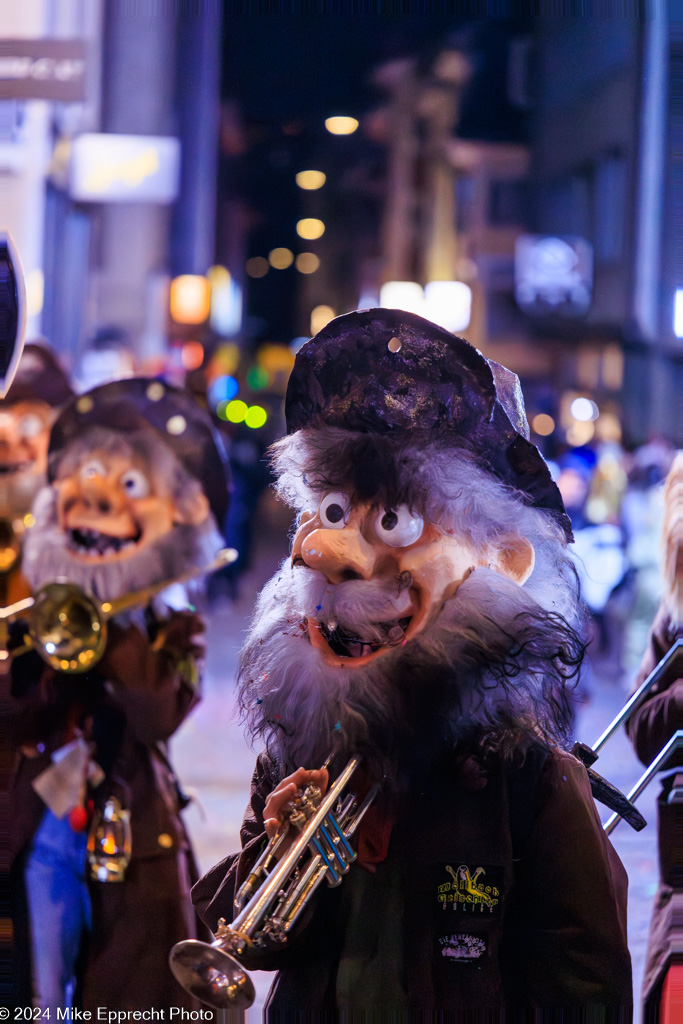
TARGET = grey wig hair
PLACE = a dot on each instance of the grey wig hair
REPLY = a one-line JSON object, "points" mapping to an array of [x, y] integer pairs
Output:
{"points": [[444, 484], [496, 666], [46, 556]]}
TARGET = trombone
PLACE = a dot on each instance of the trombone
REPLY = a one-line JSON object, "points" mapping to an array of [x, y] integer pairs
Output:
{"points": [[67, 626], [271, 900]]}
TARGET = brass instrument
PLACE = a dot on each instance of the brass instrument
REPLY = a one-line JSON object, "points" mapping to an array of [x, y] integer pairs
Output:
{"points": [[67, 626], [271, 900]]}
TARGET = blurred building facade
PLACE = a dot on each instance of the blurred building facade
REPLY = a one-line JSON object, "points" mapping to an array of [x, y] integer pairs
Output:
{"points": [[584, 152], [112, 191], [604, 168], [507, 129]]}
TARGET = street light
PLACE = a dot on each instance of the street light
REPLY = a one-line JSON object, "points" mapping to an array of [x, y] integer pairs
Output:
{"points": [[280, 258], [307, 262], [310, 180], [341, 125], [310, 228]]}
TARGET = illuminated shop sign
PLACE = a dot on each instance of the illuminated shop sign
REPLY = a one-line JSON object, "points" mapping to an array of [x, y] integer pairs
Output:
{"points": [[553, 274], [124, 169], [42, 69]]}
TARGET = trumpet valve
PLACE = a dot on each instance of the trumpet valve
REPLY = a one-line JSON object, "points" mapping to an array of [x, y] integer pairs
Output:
{"points": [[303, 806]]}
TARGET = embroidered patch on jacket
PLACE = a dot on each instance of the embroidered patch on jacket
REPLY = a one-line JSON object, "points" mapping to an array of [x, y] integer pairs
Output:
{"points": [[471, 889], [462, 947]]}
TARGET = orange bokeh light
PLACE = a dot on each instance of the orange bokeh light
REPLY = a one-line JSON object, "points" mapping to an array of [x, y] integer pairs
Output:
{"points": [[192, 355]]}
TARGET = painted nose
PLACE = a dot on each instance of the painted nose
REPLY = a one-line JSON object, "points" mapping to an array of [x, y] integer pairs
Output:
{"points": [[339, 554], [96, 496]]}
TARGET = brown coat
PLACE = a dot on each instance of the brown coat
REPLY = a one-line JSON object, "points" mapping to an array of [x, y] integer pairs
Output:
{"points": [[135, 923], [649, 728], [550, 929]]}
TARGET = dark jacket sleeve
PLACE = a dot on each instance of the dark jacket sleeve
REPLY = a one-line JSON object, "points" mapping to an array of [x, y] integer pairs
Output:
{"points": [[571, 894], [149, 683], [214, 893], [661, 713]]}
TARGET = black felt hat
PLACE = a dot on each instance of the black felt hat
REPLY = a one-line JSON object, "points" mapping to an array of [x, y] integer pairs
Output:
{"points": [[39, 377], [382, 370], [12, 310], [135, 402]]}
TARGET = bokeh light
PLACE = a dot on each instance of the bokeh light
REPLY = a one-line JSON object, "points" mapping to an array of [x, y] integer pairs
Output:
{"points": [[236, 411], [341, 125], [256, 416], [584, 410], [192, 355], [320, 317], [307, 262], [542, 424], [678, 313], [276, 358], [34, 283], [225, 360], [448, 304], [257, 266], [190, 299], [310, 228], [226, 301], [280, 258], [223, 389], [310, 180], [608, 428], [580, 433], [257, 378], [405, 295]]}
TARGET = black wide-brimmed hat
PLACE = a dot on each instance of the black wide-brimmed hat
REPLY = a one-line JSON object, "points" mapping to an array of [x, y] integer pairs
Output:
{"points": [[134, 403], [382, 370], [12, 310], [39, 377]]}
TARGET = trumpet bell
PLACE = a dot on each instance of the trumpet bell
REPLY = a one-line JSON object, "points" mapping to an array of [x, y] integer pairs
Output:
{"points": [[67, 627], [211, 975]]}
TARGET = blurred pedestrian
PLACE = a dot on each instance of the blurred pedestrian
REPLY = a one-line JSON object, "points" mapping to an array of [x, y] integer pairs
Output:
{"points": [[27, 413], [650, 727]]}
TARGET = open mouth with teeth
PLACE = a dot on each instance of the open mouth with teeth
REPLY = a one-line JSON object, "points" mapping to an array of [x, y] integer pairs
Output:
{"points": [[346, 645], [337, 646], [7, 468], [93, 544]]}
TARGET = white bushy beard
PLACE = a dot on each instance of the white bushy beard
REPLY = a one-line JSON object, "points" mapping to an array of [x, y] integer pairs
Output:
{"points": [[46, 556], [493, 662]]}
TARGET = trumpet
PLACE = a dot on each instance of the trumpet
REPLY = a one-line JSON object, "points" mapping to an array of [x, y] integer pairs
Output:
{"points": [[272, 898], [67, 626]]}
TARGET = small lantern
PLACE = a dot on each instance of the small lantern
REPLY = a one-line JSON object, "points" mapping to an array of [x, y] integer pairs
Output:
{"points": [[109, 843]]}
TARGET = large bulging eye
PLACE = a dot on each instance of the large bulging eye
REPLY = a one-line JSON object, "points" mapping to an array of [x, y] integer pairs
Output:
{"points": [[334, 510], [135, 484], [30, 426], [399, 527], [91, 469]]}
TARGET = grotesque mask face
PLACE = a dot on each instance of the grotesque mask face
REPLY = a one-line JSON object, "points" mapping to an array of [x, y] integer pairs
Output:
{"points": [[24, 438], [421, 565], [112, 504]]}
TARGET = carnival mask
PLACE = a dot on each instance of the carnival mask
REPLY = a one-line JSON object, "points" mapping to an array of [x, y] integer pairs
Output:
{"points": [[424, 564], [113, 504], [24, 437]]}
